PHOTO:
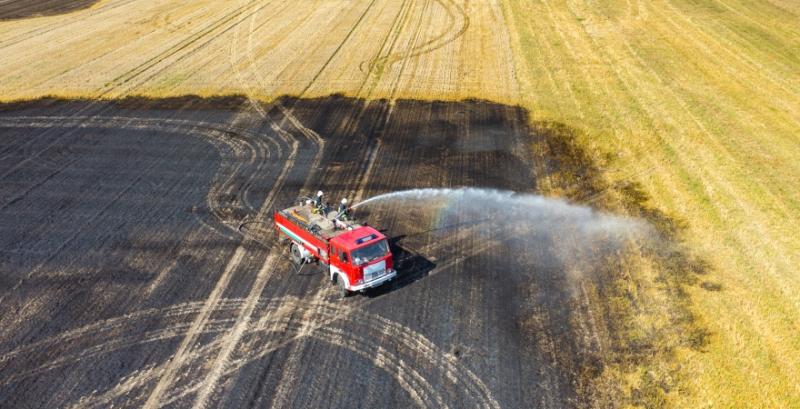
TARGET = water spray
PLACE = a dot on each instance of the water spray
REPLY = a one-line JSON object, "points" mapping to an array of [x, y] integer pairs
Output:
{"points": [[541, 233]]}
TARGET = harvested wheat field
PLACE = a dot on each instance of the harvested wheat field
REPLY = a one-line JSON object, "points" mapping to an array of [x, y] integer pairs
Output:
{"points": [[586, 204]]}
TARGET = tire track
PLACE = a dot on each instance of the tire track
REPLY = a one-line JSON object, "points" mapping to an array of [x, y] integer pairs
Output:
{"points": [[236, 147], [167, 377], [338, 48], [108, 53], [458, 24], [397, 23], [199, 46], [234, 154], [242, 323], [324, 321], [181, 354], [243, 317], [355, 117], [217, 26]]}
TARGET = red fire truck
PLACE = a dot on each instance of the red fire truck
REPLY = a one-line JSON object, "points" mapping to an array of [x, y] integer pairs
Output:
{"points": [[355, 256]]}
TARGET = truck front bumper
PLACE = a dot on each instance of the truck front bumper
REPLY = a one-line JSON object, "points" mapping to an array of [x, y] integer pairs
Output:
{"points": [[375, 282]]}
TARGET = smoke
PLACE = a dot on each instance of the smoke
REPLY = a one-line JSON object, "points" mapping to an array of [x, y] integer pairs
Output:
{"points": [[526, 233]]}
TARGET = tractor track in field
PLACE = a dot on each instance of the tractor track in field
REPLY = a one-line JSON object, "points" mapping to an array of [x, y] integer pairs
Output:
{"points": [[234, 149], [392, 35], [323, 321], [457, 24], [218, 27], [237, 148], [338, 48], [287, 112]]}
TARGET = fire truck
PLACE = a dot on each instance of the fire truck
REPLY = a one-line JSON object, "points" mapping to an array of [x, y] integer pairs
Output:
{"points": [[354, 256]]}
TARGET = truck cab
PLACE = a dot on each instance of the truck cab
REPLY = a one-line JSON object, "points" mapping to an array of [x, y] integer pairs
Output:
{"points": [[360, 259]]}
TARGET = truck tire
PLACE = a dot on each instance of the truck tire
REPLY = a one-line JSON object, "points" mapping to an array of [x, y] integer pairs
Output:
{"points": [[297, 259], [342, 289]]}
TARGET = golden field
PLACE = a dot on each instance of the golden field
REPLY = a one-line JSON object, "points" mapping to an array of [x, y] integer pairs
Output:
{"points": [[698, 101], [264, 48]]}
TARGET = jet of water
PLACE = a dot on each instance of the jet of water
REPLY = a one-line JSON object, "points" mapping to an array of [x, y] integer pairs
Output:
{"points": [[509, 205], [540, 233]]}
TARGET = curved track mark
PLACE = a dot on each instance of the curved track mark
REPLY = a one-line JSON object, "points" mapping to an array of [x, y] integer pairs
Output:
{"points": [[406, 355]]}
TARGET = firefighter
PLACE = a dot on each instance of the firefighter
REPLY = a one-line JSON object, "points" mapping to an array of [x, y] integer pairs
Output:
{"points": [[343, 210], [319, 204]]}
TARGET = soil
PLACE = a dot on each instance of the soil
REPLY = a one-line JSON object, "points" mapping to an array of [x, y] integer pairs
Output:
{"points": [[139, 268]]}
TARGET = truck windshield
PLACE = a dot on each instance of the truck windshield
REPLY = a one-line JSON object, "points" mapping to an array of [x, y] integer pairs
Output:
{"points": [[369, 253]]}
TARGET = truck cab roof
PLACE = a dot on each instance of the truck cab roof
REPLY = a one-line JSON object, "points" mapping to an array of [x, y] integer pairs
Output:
{"points": [[358, 237]]}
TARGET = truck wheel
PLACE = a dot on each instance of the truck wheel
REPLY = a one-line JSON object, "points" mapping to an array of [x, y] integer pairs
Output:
{"points": [[296, 257], [342, 290]]}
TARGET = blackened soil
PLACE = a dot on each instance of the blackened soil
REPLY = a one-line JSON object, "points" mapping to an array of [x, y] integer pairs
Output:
{"points": [[17, 9], [134, 232]]}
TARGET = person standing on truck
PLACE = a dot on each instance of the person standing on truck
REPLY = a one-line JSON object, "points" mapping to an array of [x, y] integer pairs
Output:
{"points": [[319, 204], [342, 212]]}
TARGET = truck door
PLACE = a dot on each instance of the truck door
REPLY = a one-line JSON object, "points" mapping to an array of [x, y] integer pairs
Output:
{"points": [[338, 260]]}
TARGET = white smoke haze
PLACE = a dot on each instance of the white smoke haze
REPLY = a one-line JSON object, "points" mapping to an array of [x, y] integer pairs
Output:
{"points": [[531, 233]]}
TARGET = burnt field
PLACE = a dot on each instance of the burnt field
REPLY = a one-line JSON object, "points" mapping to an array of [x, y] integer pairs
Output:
{"points": [[138, 266]]}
